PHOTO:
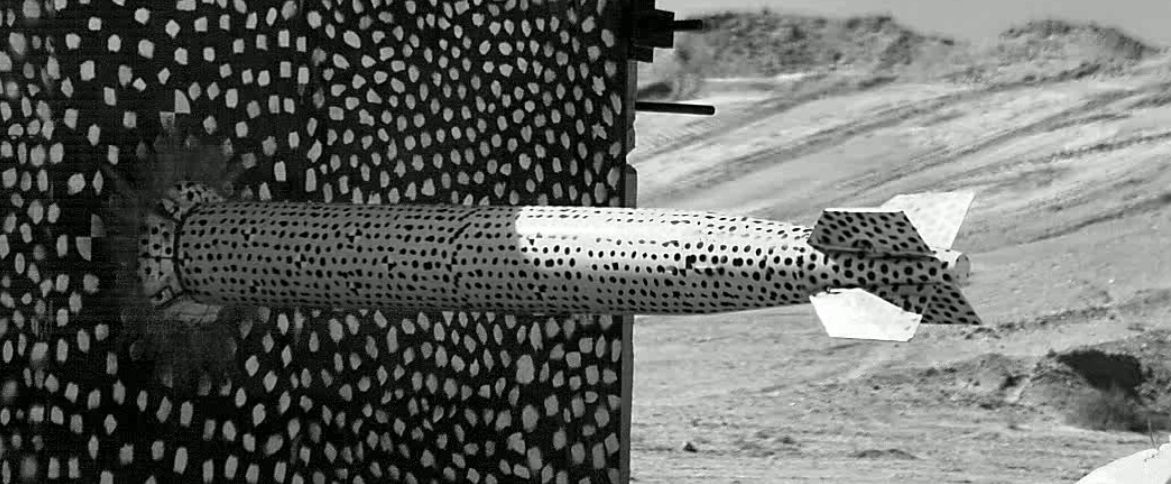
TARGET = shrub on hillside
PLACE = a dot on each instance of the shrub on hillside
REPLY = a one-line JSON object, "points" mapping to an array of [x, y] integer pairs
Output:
{"points": [[678, 73], [1112, 409]]}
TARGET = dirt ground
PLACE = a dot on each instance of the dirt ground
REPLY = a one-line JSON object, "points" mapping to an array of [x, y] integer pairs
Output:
{"points": [[1067, 238]]}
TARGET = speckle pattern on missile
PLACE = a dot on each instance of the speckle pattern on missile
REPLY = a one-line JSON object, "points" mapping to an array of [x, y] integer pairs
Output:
{"points": [[868, 230], [949, 306], [941, 303], [473, 102], [520, 260], [915, 298]]}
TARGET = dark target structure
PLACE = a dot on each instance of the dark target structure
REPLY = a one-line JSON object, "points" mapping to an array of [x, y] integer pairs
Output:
{"points": [[367, 102]]}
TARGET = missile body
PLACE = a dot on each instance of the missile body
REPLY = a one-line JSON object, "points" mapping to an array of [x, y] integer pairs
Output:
{"points": [[531, 259]]}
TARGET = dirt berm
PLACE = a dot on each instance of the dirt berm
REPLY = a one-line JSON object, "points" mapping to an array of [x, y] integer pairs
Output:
{"points": [[1137, 369]]}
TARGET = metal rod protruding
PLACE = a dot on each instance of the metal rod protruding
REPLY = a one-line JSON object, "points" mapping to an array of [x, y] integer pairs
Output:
{"points": [[675, 108], [692, 25]]}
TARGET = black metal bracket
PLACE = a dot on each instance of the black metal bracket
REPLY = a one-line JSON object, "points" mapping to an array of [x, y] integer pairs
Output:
{"points": [[650, 28]]}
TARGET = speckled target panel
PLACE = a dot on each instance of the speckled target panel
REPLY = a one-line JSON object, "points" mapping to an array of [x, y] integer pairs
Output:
{"points": [[475, 103]]}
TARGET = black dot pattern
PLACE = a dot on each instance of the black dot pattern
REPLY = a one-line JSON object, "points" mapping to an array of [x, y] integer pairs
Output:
{"points": [[332, 255], [518, 260], [630, 261], [835, 270], [471, 102], [521, 260], [915, 298], [878, 232], [949, 306]]}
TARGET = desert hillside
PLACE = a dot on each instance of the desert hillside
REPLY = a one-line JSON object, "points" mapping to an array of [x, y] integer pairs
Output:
{"points": [[1063, 131], [740, 50]]}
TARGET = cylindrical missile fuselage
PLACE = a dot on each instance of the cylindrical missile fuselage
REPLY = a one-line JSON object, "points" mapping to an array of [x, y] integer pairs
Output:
{"points": [[531, 259]]}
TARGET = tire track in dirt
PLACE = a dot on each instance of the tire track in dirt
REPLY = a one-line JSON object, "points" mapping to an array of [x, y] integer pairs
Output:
{"points": [[829, 137], [998, 138], [1149, 204], [817, 141], [721, 124], [1090, 149], [1083, 114], [1154, 100], [688, 134], [1135, 207]]}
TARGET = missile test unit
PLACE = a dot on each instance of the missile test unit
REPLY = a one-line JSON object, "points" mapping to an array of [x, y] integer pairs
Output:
{"points": [[873, 273]]}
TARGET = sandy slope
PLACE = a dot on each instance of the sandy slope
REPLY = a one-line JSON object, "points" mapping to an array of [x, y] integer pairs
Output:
{"points": [[1067, 236]]}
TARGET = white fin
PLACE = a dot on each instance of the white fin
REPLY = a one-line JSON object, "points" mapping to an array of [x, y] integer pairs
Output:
{"points": [[859, 314], [936, 216], [891, 313]]}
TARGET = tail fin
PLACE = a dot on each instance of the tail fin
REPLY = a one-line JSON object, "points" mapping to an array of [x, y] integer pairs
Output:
{"points": [[920, 225], [906, 225], [891, 313], [861, 314], [936, 216]]}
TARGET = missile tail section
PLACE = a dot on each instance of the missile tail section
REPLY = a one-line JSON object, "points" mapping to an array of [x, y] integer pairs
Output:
{"points": [[908, 231]]}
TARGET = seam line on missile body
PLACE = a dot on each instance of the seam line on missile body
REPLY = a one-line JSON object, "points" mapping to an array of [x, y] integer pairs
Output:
{"points": [[176, 257], [453, 258]]}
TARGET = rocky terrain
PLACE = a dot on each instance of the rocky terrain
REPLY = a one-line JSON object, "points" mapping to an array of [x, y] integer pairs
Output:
{"points": [[1063, 132]]}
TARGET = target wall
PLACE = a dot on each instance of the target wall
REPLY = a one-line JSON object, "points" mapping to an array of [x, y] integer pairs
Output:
{"points": [[362, 102]]}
